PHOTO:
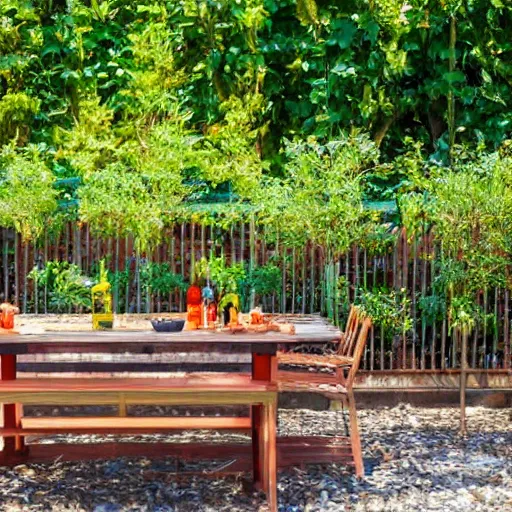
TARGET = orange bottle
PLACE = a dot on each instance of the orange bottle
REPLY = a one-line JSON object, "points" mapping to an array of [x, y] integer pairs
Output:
{"points": [[8, 319], [7, 312]]}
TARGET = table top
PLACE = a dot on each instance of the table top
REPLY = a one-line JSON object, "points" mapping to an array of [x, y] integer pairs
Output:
{"points": [[311, 331]]}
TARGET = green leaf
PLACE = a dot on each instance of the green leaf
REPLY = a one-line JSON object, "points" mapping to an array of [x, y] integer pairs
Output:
{"points": [[53, 48], [344, 35], [454, 77], [70, 75]]}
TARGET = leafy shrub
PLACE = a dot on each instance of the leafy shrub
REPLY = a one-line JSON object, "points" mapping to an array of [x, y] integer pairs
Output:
{"points": [[68, 289]]}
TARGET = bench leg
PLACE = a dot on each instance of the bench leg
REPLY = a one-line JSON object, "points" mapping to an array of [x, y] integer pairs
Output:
{"points": [[271, 455], [11, 412], [355, 439], [257, 418], [19, 441]]}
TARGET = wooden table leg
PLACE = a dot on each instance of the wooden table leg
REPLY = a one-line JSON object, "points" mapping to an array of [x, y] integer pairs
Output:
{"points": [[262, 370], [11, 412]]}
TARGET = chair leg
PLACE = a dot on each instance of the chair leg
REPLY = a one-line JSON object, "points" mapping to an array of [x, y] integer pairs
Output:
{"points": [[355, 439]]}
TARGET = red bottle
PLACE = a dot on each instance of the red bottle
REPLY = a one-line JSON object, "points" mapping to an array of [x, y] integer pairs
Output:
{"points": [[212, 312], [194, 296]]}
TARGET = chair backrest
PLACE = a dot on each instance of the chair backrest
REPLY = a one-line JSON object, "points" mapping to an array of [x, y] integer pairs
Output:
{"points": [[366, 325], [348, 339], [354, 341]]}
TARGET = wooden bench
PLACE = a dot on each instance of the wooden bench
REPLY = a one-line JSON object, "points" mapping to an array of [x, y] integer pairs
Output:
{"points": [[224, 390]]}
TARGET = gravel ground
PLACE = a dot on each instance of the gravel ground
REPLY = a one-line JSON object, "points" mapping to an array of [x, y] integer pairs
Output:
{"points": [[415, 461]]}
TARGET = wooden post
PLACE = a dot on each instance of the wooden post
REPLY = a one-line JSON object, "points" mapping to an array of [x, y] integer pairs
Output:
{"points": [[252, 254], [232, 240], [128, 268], [36, 285], [203, 241], [5, 263], [382, 347], [173, 265], [365, 269], [347, 274], [242, 241], [137, 280], [413, 305], [77, 242], [45, 261], [474, 351], [484, 353], [506, 330], [337, 272], [192, 249], [463, 380], [396, 280], [182, 256], [495, 333], [88, 248], [372, 348], [303, 305], [283, 284], [66, 241], [149, 292], [98, 249], [434, 326], [25, 273], [443, 344], [423, 293], [312, 279], [356, 273], [16, 269], [116, 270]]}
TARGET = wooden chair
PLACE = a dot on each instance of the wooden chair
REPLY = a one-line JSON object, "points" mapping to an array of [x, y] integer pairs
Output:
{"points": [[338, 384]]}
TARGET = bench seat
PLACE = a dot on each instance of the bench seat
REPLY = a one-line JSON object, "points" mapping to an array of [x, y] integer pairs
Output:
{"points": [[204, 390]]}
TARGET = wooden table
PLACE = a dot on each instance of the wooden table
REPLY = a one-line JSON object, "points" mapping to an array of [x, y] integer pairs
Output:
{"points": [[262, 347]]}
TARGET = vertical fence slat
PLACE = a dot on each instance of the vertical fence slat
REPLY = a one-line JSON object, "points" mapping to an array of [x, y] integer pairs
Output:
{"points": [[484, 344], [24, 276], [294, 277], [303, 273], [495, 330], [312, 279], [506, 329], [182, 258], [127, 267], [173, 262], [16, 269], [192, 250], [382, 347], [5, 261], [284, 252], [242, 241]]}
